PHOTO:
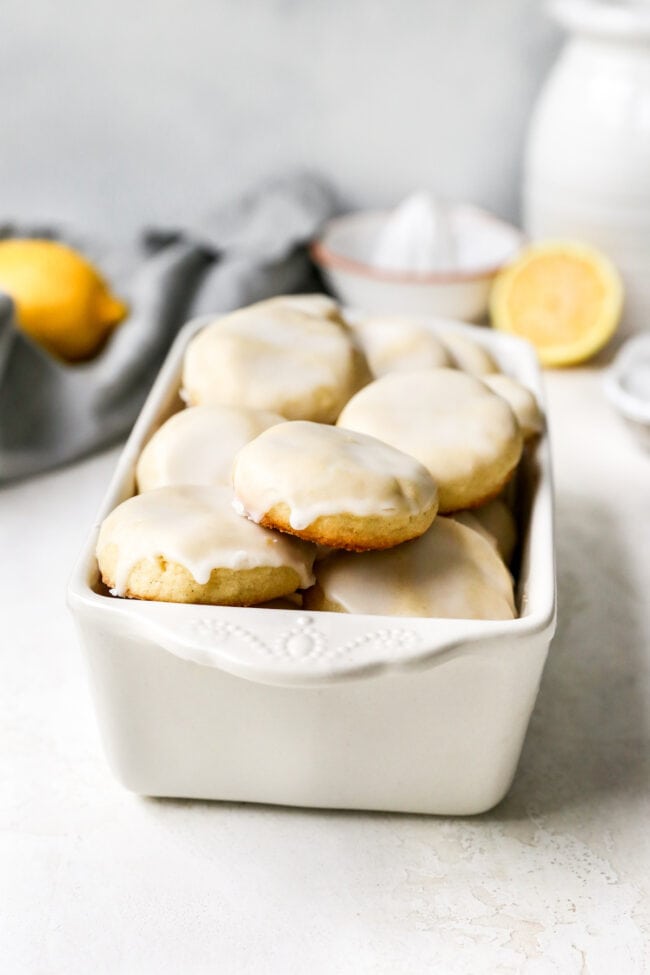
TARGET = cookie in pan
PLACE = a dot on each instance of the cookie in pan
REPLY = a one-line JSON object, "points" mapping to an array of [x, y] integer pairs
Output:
{"points": [[397, 343], [496, 522], [521, 401], [198, 445], [188, 545], [464, 434], [450, 572], [468, 355], [273, 357], [318, 305], [333, 486], [323, 306]]}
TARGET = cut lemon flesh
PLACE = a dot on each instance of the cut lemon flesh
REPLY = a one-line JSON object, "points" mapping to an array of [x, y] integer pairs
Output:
{"points": [[565, 298]]}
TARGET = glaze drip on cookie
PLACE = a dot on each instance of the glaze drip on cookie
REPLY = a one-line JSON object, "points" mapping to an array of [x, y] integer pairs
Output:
{"points": [[296, 474], [196, 528]]}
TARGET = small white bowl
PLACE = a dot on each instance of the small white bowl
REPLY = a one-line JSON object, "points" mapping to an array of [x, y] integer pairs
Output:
{"points": [[344, 255], [627, 386]]}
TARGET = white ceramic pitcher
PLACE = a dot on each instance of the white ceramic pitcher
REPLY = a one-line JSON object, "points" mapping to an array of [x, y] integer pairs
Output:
{"points": [[587, 167]]}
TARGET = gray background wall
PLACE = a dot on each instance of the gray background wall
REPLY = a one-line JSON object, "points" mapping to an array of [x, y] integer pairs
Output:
{"points": [[117, 113]]}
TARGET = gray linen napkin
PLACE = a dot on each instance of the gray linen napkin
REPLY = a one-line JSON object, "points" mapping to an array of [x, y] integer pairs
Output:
{"points": [[51, 413]]}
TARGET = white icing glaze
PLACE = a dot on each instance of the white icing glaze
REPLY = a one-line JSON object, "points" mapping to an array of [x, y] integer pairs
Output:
{"points": [[320, 470], [463, 433], [449, 572], [495, 522], [521, 401], [198, 528], [396, 343], [273, 358], [469, 519], [468, 355], [498, 521], [318, 305], [198, 445]]}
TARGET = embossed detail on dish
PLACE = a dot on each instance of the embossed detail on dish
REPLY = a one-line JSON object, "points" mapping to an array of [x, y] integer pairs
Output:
{"points": [[389, 639], [215, 632], [304, 641]]}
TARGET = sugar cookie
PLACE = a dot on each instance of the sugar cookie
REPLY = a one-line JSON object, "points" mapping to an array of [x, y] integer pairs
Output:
{"points": [[395, 343], [469, 519], [463, 433], [317, 304], [188, 545], [198, 445], [272, 358], [496, 522], [333, 487], [497, 518], [467, 355], [449, 572], [522, 403]]}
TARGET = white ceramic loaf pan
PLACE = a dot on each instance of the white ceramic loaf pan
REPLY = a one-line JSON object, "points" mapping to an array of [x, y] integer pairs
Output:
{"points": [[318, 709]]}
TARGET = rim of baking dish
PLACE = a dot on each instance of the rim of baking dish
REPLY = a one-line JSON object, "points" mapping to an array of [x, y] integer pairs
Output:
{"points": [[323, 254], [307, 647]]}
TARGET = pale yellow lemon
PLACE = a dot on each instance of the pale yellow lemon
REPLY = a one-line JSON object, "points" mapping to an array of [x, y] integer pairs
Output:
{"points": [[564, 297]]}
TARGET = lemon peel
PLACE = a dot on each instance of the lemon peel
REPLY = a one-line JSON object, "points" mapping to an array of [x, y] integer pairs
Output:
{"points": [[61, 299]]}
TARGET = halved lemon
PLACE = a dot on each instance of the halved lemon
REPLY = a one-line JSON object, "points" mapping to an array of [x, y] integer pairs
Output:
{"points": [[564, 297]]}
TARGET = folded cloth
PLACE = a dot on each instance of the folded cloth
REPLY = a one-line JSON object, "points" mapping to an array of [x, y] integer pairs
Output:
{"points": [[51, 412]]}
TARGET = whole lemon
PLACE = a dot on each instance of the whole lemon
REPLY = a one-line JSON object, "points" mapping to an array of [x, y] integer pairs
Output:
{"points": [[61, 300]]}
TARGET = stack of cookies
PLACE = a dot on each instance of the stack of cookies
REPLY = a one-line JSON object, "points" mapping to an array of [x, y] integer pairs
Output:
{"points": [[351, 468]]}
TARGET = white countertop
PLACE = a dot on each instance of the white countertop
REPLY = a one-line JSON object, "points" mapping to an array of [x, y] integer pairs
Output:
{"points": [[555, 879]]}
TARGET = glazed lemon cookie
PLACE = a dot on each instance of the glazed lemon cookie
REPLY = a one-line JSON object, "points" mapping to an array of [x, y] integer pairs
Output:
{"points": [[395, 343], [449, 572], [198, 445], [188, 545], [272, 358], [322, 306], [293, 601], [496, 522], [469, 519], [467, 355], [497, 518], [318, 305], [333, 486], [522, 403], [463, 433]]}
